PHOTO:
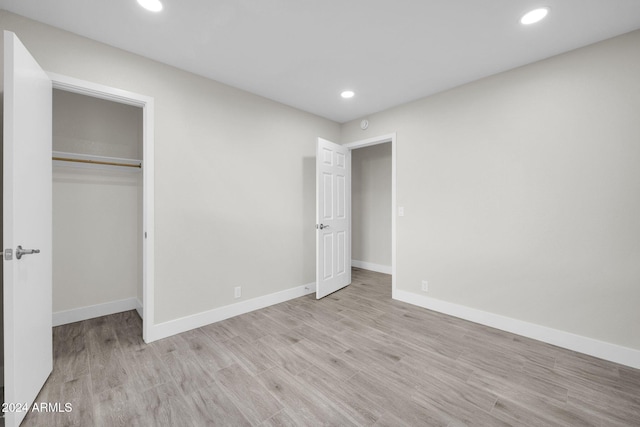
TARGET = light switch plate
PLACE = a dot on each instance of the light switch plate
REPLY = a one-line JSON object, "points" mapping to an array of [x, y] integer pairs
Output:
{"points": [[400, 211]]}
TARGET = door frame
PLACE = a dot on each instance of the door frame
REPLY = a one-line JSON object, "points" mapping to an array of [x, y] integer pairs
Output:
{"points": [[95, 90], [376, 140]]}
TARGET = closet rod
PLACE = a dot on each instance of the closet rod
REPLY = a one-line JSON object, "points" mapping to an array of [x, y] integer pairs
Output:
{"points": [[97, 162]]}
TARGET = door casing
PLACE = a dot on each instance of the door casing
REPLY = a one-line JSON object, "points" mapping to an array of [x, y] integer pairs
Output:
{"points": [[146, 103], [383, 139]]}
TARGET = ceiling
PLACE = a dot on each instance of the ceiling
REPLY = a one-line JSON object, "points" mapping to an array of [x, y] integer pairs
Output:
{"points": [[303, 53]]}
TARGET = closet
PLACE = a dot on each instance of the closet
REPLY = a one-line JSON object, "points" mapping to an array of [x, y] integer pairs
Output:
{"points": [[97, 207]]}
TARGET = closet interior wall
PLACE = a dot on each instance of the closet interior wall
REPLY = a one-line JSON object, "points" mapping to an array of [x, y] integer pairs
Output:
{"points": [[97, 210]]}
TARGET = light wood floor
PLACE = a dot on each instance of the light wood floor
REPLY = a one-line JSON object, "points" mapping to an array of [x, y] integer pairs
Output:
{"points": [[354, 358]]}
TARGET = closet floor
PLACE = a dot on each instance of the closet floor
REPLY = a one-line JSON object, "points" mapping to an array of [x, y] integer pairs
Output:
{"points": [[355, 357]]}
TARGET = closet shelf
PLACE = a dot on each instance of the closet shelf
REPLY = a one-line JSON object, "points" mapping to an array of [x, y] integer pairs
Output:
{"points": [[87, 160]]}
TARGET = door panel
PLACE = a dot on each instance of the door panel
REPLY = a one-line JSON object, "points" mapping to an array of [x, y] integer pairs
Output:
{"points": [[26, 222], [333, 198], [341, 247], [328, 196], [328, 256]]}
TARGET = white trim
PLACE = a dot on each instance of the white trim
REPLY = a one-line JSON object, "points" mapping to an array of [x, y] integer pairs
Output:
{"points": [[184, 324], [148, 224], [382, 139], [96, 90], [379, 268], [92, 311], [139, 308], [390, 137], [603, 350], [83, 87]]}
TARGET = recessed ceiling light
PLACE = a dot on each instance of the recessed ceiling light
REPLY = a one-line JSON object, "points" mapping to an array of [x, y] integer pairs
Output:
{"points": [[152, 5], [347, 94], [534, 16]]}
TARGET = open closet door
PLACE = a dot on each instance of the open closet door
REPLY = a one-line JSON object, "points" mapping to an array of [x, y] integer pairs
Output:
{"points": [[27, 220], [333, 217]]}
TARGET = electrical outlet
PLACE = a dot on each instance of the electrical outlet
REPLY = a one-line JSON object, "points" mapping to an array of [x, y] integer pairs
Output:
{"points": [[237, 292], [425, 286]]}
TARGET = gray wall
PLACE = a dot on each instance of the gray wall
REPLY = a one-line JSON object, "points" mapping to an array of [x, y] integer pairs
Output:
{"points": [[371, 204], [234, 174], [521, 192], [97, 216]]}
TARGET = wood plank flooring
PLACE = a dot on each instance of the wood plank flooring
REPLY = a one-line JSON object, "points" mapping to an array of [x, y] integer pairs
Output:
{"points": [[354, 358]]}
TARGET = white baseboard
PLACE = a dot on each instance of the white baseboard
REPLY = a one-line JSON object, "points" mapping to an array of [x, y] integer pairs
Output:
{"points": [[603, 350], [378, 268], [140, 308], [177, 326], [84, 313]]}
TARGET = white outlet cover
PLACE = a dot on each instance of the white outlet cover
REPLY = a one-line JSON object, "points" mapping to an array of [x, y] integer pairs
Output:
{"points": [[400, 211], [425, 286], [237, 292]]}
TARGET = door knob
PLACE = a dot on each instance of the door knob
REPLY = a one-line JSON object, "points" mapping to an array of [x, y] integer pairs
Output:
{"points": [[20, 251], [322, 226]]}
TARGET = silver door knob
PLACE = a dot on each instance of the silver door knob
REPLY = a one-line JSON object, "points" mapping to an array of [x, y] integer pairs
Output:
{"points": [[20, 251], [322, 226]]}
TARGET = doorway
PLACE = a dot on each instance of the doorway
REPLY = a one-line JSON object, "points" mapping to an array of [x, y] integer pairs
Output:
{"points": [[146, 238], [371, 208], [389, 139], [97, 207]]}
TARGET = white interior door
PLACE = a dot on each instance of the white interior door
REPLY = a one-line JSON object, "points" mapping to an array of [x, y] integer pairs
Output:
{"points": [[26, 223], [333, 217]]}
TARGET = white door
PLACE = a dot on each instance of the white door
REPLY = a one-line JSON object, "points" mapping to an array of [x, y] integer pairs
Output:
{"points": [[333, 217], [26, 195]]}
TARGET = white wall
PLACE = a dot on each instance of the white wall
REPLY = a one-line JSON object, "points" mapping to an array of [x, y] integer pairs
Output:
{"points": [[87, 125], [521, 192], [234, 175], [371, 205], [97, 254]]}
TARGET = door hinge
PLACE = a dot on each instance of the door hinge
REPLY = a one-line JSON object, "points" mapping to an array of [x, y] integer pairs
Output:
{"points": [[8, 254]]}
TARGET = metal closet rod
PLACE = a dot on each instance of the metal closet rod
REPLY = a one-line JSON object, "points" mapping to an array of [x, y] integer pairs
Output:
{"points": [[98, 162]]}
